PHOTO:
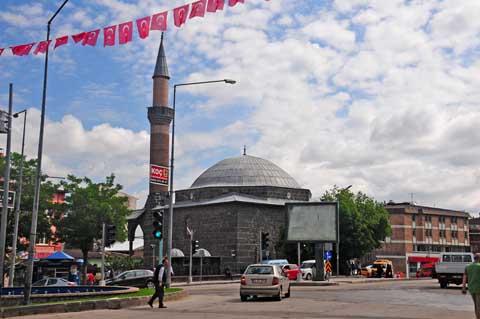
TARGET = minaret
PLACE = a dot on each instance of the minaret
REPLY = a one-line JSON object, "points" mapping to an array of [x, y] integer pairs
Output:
{"points": [[160, 117]]}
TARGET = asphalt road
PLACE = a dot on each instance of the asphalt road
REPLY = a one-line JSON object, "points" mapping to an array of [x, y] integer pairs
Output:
{"points": [[400, 299]]}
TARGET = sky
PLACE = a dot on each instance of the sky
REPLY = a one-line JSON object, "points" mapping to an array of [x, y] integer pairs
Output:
{"points": [[380, 95]]}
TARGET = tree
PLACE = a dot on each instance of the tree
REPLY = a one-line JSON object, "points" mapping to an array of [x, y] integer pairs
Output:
{"points": [[363, 223], [47, 190], [87, 206]]}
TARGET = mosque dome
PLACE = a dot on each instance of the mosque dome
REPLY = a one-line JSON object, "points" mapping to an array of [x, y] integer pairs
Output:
{"points": [[245, 170]]}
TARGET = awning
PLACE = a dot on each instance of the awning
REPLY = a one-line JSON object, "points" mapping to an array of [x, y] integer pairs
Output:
{"points": [[417, 259], [59, 255]]}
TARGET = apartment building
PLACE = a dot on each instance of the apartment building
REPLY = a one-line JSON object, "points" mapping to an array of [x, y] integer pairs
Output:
{"points": [[421, 233]]}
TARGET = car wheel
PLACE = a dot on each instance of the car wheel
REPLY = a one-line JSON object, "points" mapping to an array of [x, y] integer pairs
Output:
{"points": [[150, 284], [243, 297], [443, 284], [308, 277], [287, 295], [279, 296]]}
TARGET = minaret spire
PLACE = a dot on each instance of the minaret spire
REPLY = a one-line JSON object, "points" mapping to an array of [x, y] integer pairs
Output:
{"points": [[161, 68]]}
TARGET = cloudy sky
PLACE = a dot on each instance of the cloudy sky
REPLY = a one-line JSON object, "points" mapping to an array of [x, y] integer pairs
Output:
{"points": [[380, 95]]}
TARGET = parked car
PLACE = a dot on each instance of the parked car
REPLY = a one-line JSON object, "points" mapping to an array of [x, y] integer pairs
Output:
{"points": [[366, 271], [265, 281], [427, 270], [45, 282], [307, 269], [134, 278], [291, 270]]}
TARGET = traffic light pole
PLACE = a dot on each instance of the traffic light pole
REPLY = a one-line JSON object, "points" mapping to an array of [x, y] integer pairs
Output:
{"points": [[102, 282], [190, 261], [260, 244]]}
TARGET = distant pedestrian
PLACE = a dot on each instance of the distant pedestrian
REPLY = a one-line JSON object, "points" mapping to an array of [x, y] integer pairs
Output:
{"points": [[159, 280], [472, 276], [90, 279]]}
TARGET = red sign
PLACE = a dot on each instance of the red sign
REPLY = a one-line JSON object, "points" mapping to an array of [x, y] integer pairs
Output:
{"points": [[158, 174]]}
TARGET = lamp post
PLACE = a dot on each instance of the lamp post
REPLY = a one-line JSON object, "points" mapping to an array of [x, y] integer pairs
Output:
{"points": [[17, 206], [172, 152], [338, 230], [33, 229]]}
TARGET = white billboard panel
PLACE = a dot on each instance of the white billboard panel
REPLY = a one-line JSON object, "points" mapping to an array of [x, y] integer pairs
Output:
{"points": [[312, 222]]}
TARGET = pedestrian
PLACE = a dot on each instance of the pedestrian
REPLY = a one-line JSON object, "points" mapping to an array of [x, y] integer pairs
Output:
{"points": [[90, 279], [472, 276], [159, 280]]}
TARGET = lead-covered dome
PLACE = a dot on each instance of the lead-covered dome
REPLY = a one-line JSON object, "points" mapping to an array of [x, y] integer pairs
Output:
{"points": [[245, 170]]}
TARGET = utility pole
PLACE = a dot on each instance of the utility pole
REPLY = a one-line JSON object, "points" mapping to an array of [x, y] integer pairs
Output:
{"points": [[102, 282], [190, 232], [6, 183]]}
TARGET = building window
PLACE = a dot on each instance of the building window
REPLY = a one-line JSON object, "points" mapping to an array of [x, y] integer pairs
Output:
{"points": [[428, 232], [414, 217], [454, 234], [428, 218], [454, 220], [414, 232], [442, 233], [441, 219]]}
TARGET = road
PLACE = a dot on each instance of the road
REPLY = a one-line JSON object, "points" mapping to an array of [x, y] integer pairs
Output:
{"points": [[400, 299]]}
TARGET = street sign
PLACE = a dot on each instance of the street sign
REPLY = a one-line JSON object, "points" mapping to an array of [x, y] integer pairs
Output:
{"points": [[328, 255], [328, 266], [159, 174], [11, 199]]}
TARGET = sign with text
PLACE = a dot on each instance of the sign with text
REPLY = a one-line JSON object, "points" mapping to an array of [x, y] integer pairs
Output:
{"points": [[11, 198], [159, 174]]}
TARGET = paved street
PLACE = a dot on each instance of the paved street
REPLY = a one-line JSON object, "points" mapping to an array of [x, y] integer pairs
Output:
{"points": [[402, 299]]}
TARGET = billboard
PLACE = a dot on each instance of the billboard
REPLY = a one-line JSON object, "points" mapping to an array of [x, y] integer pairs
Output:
{"points": [[158, 174], [312, 222]]}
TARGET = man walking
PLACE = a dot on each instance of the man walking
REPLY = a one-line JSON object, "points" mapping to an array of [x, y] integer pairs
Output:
{"points": [[159, 280], [472, 276]]}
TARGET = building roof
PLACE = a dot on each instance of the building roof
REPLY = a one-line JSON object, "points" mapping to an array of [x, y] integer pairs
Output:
{"points": [[426, 209], [161, 68], [245, 170]]}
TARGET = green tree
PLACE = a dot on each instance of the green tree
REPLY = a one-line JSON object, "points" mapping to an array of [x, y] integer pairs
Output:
{"points": [[87, 206], [363, 223], [45, 202]]}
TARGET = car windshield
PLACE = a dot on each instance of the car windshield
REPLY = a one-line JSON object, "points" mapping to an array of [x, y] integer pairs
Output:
{"points": [[307, 265], [260, 270]]}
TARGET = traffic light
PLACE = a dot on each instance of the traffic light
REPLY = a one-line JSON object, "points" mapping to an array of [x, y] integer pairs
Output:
{"points": [[195, 246], [265, 240], [110, 234], [3, 122], [158, 223]]}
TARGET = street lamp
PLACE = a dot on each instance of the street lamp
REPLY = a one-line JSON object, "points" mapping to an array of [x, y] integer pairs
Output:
{"points": [[17, 206], [36, 198], [172, 152]]}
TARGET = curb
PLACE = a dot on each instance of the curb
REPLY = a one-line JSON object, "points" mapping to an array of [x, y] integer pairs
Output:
{"points": [[115, 303]]}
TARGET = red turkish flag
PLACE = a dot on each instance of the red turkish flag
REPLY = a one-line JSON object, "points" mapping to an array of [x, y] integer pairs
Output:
{"points": [[78, 37], [109, 36], [60, 41], [143, 26], [42, 47], [159, 21], [180, 15], [91, 38], [198, 9], [232, 3], [214, 5], [1, 51], [23, 49], [125, 32]]}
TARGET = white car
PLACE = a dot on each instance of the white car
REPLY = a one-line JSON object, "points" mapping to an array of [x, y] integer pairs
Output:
{"points": [[265, 281], [59, 282], [306, 268]]}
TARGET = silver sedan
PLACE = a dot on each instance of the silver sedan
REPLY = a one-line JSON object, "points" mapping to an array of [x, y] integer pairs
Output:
{"points": [[265, 281]]}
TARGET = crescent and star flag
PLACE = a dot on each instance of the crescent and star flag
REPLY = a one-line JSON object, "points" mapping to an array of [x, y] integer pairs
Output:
{"points": [[109, 35], [42, 47], [214, 5], [125, 32], [232, 3], [60, 41], [198, 9], [143, 26], [159, 21], [180, 15], [1, 51], [78, 37], [91, 38], [23, 49]]}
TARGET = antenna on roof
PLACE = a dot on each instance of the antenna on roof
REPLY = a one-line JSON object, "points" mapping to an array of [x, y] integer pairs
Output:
{"points": [[244, 149]]}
